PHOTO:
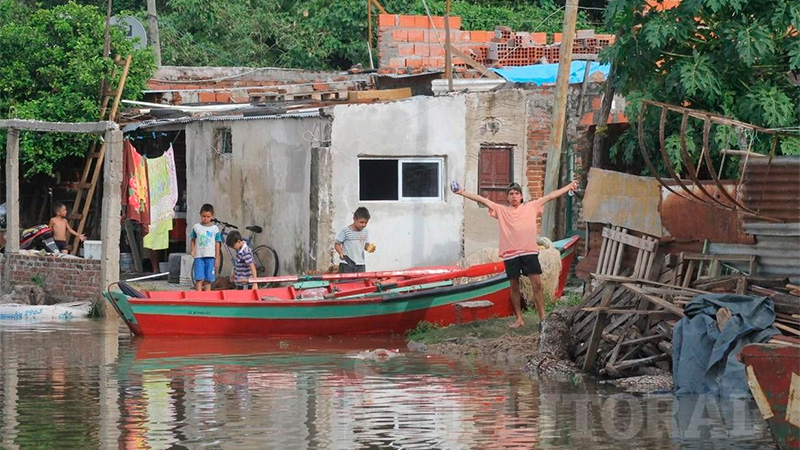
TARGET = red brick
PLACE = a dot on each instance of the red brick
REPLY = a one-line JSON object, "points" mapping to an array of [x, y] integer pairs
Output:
{"points": [[462, 36], [436, 50], [587, 119], [414, 62], [321, 86], [387, 20], [407, 21], [224, 97], [397, 62], [597, 102], [455, 23], [416, 36], [438, 22], [205, 97], [400, 35], [422, 49], [421, 22], [406, 49]]}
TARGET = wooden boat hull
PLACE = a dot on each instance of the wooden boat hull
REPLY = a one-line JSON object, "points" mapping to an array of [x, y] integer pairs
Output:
{"points": [[773, 374], [386, 313]]}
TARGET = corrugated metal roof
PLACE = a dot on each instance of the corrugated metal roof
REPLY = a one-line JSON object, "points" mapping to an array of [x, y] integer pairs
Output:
{"points": [[773, 188], [184, 120]]}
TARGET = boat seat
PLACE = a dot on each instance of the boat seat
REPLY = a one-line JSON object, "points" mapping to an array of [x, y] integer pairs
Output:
{"points": [[254, 228]]}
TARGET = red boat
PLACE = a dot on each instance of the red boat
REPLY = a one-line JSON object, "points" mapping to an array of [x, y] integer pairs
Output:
{"points": [[773, 375], [328, 305]]}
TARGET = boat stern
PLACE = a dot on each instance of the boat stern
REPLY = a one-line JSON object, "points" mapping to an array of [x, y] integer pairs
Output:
{"points": [[123, 307]]}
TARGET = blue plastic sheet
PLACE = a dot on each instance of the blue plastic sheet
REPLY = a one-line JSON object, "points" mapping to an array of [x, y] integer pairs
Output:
{"points": [[705, 358], [547, 73]]}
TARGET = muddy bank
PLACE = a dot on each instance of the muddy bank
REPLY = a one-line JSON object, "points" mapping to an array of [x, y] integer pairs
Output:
{"points": [[540, 350], [513, 351]]}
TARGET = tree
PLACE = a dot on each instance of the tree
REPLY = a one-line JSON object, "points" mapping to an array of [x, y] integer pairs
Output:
{"points": [[738, 58], [51, 68]]}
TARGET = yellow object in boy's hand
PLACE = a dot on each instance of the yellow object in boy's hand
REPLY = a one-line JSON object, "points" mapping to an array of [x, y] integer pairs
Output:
{"points": [[370, 247]]}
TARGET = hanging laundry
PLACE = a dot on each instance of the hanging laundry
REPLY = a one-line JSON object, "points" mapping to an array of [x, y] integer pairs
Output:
{"points": [[163, 183], [135, 192]]}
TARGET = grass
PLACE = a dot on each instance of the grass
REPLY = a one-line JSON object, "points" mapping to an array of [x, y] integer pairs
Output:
{"points": [[428, 333]]}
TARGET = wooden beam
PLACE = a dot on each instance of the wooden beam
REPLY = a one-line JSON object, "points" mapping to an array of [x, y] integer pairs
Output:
{"points": [[475, 64], [379, 6], [59, 127], [384, 94], [448, 49], [677, 310], [560, 108], [597, 332]]}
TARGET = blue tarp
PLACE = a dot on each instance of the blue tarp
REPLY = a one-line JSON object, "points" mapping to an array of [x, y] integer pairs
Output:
{"points": [[705, 359], [546, 73]]}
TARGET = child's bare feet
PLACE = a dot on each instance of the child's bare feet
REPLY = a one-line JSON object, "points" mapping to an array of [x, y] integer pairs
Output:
{"points": [[518, 323]]}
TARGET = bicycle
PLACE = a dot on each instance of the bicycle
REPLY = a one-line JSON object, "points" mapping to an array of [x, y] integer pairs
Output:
{"points": [[265, 257]]}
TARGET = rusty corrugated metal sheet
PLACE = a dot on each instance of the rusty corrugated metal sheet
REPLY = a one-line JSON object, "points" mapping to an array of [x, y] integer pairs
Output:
{"points": [[773, 188], [691, 220]]}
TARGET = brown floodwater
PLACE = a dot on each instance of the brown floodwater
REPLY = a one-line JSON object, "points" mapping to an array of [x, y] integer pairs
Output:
{"points": [[87, 384]]}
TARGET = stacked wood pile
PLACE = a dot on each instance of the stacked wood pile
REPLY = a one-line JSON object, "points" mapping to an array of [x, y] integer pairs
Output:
{"points": [[624, 324]]}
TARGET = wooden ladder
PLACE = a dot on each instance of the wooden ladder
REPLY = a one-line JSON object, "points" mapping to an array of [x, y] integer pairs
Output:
{"points": [[94, 159]]}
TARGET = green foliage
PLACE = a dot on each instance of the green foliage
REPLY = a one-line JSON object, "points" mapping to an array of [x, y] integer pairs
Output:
{"points": [[38, 280], [569, 299], [315, 34], [732, 57], [422, 328], [51, 68]]}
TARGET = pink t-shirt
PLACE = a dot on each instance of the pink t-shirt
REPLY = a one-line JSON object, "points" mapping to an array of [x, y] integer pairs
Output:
{"points": [[518, 228]]}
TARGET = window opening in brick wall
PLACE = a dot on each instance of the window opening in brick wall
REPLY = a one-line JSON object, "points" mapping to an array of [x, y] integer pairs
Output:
{"points": [[496, 171], [400, 179], [223, 140]]}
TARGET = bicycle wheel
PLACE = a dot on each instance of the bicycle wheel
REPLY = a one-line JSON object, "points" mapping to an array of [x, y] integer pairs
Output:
{"points": [[266, 261]]}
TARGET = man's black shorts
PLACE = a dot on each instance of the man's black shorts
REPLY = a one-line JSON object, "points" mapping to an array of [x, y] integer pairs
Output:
{"points": [[525, 264]]}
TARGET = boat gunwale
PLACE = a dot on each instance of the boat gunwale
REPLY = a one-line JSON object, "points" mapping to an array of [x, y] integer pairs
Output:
{"points": [[377, 297]]}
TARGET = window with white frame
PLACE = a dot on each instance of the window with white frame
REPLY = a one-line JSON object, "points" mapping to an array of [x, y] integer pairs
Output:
{"points": [[400, 179]]}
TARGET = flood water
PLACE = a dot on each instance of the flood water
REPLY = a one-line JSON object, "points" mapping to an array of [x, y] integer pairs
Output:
{"points": [[88, 384]]}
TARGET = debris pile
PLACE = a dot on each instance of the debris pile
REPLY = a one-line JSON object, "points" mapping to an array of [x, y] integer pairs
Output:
{"points": [[624, 325]]}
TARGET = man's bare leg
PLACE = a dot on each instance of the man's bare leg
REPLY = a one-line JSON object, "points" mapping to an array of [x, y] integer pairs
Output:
{"points": [[198, 285], [538, 294], [515, 302]]}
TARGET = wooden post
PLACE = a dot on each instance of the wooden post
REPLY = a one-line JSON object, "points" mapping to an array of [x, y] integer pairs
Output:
{"points": [[112, 205], [12, 191], [559, 117], [448, 54], [152, 31]]}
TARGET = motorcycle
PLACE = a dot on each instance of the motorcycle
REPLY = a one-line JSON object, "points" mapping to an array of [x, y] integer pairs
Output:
{"points": [[39, 237]]}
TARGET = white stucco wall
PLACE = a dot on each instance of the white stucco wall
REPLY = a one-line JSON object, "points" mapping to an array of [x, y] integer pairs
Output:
{"points": [[264, 182], [406, 234], [507, 111]]}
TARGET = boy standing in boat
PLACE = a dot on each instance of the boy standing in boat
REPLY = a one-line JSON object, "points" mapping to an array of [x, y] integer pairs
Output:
{"points": [[244, 267], [61, 227], [206, 242], [518, 233], [351, 242]]}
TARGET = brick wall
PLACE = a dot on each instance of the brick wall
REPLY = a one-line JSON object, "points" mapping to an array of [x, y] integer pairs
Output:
{"points": [[412, 44], [65, 279]]}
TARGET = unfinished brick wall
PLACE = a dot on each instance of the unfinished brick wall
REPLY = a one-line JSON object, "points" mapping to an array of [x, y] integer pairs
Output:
{"points": [[64, 279], [416, 43]]}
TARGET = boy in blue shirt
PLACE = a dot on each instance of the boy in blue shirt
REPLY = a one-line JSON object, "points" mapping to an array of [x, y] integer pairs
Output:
{"points": [[206, 241]]}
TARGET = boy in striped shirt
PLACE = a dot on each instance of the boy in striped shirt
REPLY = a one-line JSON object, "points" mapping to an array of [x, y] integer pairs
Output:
{"points": [[351, 242], [244, 267]]}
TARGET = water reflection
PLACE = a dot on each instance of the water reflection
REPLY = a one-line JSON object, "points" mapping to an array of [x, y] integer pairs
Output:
{"points": [[88, 385]]}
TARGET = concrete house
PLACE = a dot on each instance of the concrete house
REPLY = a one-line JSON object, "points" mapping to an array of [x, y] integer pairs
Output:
{"points": [[300, 176]]}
